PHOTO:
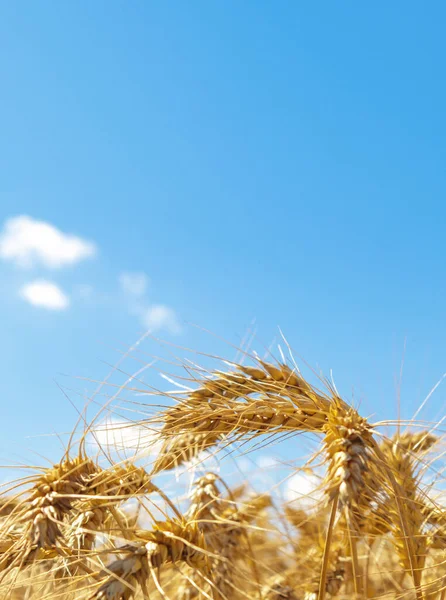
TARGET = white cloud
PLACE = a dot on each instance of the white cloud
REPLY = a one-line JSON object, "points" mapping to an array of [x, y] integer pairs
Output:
{"points": [[304, 489], [45, 294], [154, 317], [159, 316], [26, 242], [125, 436], [134, 284]]}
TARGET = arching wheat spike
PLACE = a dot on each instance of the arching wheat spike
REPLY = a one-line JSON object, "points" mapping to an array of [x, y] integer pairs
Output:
{"points": [[251, 401]]}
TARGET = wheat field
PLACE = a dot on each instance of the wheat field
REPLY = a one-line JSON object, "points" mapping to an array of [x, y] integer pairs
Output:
{"points": [[102, 526]]}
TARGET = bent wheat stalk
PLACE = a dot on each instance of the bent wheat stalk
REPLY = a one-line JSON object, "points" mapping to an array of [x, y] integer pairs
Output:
{"points": [[251, 401]]}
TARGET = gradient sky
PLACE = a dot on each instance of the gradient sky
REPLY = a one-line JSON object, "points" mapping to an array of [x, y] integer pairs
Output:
{"points": [[281, 162]]}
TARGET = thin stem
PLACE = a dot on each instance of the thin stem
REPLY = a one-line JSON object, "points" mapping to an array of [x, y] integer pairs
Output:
{"points": [[357, 582], [328, 538]]}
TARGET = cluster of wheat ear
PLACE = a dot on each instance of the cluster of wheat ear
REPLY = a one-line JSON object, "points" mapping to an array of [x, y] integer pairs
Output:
{"points": [[89, 527]]}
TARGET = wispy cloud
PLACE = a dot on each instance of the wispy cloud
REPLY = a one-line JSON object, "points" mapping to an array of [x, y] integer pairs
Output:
{"points": [[45, 294], [154, 317], [26, 242], [125, 437], [134, 284], [159, 316]]}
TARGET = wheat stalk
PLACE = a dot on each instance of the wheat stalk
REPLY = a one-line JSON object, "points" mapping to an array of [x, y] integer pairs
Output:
{"points": [[251, 401]]}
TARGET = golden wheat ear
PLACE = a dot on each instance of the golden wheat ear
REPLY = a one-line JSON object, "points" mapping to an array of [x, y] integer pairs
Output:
{"points": [[253, 401], [169, 542], [405, 508], [37, 524]]}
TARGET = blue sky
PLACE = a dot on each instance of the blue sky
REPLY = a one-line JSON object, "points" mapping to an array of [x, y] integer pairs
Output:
{"points": [[282, 162]]}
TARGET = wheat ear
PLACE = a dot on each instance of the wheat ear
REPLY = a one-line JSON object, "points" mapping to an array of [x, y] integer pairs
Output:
{"points": [[401, 455], [253, 400], [169, 542]]}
